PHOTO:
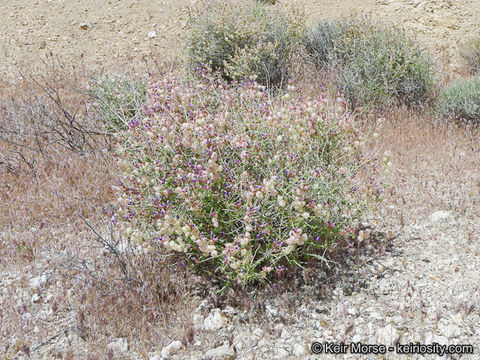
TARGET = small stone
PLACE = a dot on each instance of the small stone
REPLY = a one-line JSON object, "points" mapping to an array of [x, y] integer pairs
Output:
{"points": [[387, 335], [38, 281], [152, 34], [281, 353], [223, 352], [36, 329], [299, 350], [271, 310], [352, 312], [356, 338], [85, 25], [35, 298], [375, 315], [214, 320], [42, 45], [238, 346], [442, 340], [197, 321], [171, 349], [440, 215], [348, 289], [244, 316], [119, 345], [450, 331], [230, 311], [258, 332]]}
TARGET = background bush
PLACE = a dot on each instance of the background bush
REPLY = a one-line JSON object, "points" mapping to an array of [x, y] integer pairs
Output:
{"points": [[461, 100], [239, 185], [373, 64], [322, 42], [242, 39], [118, 100], [471, 55]]}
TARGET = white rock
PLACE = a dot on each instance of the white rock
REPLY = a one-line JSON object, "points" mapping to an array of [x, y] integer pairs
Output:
{"points": [[119, 345], [223, 352], [442, 340], [197, 321], [38, 281], [450, 331], [440, 215], [85, 25], [214, 320], [428, 337], [281, 353], [152, 34], [230, 311], [285, 334], [299, 350], [271, 310], [352, 312], [171, 349], [35, 298], [387, 335], [238, 346], [230, 329], [356, 338], [258, 332]]}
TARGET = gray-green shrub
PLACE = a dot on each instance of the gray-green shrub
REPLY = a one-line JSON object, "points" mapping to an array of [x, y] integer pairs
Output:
{"points": [[322, 42], [471, 55], [118, 100], [242, 39], [461, 100], [373, 64]]}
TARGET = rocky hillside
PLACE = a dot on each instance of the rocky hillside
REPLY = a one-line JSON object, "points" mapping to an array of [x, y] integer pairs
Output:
{"points": [[119, 34]]}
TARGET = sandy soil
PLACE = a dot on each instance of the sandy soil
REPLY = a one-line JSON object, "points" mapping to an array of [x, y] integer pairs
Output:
{"points": [[118, 34]]}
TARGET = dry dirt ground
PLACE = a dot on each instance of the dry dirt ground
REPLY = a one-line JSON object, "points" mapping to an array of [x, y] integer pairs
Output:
{"points": [[119, 34], [419, 282]]}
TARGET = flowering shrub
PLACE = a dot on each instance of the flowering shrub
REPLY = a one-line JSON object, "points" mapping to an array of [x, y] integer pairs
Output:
{"points": [[237, 183], [243, 39]]}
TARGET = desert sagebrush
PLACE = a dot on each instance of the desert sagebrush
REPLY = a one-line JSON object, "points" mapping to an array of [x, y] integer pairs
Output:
{"points": [[374, 65]]}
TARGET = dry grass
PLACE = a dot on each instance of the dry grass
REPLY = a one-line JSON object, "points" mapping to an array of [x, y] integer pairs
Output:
{"points": [[45, 185], [430, 160]]}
